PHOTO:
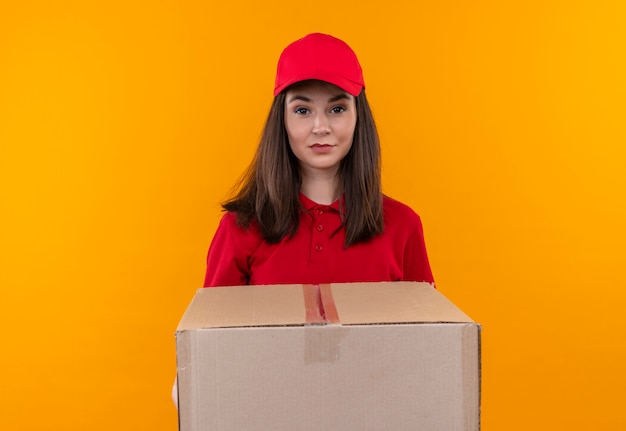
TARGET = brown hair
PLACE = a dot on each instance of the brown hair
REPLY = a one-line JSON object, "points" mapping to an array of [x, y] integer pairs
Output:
{"points": [[268, 192]]}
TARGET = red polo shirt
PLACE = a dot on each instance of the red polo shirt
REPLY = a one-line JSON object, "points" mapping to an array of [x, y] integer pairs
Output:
{"points": [[316, 253]]}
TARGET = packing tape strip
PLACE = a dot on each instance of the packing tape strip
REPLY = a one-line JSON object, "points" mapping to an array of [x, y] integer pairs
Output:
{"points": [[322, 343], [312, 304], [323, 331], [328, 305]]}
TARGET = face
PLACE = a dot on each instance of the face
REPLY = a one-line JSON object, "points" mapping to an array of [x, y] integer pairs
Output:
{"points": [[320, 119]]}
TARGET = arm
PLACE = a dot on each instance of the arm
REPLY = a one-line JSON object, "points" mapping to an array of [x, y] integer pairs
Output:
{"points": [[227, 263], [416, 265]]}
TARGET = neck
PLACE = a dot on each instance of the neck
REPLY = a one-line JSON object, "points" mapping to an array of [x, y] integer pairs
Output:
{"points": [[320, 187]]}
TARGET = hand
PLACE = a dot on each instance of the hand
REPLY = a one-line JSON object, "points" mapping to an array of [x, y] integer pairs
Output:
{"points": [[175, 392]]}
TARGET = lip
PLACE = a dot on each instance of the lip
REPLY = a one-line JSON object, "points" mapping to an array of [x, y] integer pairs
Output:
{"points": [[322, 148]]}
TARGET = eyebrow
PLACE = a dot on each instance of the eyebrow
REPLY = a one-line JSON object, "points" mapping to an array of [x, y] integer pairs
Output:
{"points": [[306, 99]]}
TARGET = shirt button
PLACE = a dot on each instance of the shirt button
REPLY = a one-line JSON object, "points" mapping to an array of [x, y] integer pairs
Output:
{"points": [[319, 227], [319, 211], [319, 247]]}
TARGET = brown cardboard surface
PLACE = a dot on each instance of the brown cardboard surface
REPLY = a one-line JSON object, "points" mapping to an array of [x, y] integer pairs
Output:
{"points": [[393, 302], [421, 375], [221, 307]]}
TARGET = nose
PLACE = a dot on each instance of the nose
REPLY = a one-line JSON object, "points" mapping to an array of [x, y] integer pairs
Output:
{"points": [[321, 126]]}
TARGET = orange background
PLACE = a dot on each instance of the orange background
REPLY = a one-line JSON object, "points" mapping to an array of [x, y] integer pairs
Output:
{"points": [[124, 124]]}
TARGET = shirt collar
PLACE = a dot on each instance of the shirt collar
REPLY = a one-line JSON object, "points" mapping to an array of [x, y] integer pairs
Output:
{"points": [[309, 205]]}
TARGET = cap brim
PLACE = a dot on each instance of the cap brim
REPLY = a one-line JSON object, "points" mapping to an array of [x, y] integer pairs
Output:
{"points": [[346, 85]]}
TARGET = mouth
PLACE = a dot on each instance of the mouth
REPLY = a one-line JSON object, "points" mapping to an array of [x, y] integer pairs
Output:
{"points": [[322, 148]]}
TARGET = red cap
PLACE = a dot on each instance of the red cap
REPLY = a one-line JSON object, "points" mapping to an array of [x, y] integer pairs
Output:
{"points": [[323, 57]]}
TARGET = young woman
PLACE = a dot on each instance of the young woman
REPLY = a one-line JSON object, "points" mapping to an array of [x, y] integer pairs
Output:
{"points": [[310, 207]]}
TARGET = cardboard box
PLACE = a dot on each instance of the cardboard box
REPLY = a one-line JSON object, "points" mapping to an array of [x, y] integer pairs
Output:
{"points": [[342, 357]]}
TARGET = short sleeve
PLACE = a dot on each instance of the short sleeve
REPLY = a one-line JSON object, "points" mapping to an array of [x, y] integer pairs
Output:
{"points": [[226, 260], [416, 265]]}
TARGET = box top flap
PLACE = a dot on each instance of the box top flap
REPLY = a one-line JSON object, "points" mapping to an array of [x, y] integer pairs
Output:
{"points": [[393, 302], [238, 306], [351, 304]]}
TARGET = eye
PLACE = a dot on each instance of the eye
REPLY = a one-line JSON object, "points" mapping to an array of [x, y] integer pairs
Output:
{"points": [[301, 111], [338, 109]]}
